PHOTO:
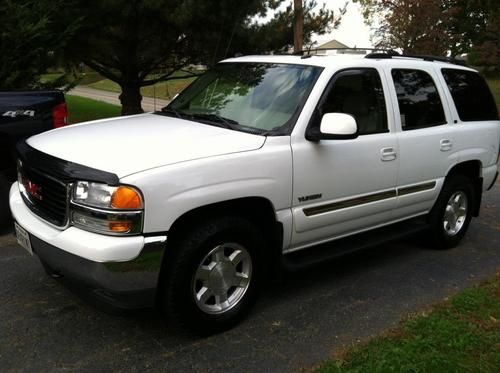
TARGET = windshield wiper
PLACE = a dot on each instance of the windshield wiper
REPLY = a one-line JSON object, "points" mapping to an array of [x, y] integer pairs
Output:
{"points": [[226, 122], [177, 113]]}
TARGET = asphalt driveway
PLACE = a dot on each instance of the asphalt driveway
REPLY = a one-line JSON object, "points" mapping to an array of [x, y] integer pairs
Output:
{"points": [[297, 323]]}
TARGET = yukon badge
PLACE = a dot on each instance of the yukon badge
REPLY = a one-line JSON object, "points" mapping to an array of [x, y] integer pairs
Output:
{"points": [[310, 197]]}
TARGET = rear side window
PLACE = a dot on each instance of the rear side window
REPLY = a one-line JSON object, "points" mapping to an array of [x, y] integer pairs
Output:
{"points": [[418, 98], [471, 95]]}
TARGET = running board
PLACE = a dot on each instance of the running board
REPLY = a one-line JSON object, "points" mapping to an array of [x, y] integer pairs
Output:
{"points": [[317, 254]]}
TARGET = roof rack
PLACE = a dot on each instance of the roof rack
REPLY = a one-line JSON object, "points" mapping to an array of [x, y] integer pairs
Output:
{"points": [[313, 51], [382, 55]]}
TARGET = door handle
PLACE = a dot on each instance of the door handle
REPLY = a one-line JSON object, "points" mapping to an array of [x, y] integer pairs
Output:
{"points": [[388, 154], [445, 145]]}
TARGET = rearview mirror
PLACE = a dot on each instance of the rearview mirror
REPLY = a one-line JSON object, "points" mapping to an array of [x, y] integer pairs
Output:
{"points": [[334, 126]]}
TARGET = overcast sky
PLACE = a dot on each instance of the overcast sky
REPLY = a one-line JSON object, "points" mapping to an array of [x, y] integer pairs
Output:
{"points": [[352, 30]]}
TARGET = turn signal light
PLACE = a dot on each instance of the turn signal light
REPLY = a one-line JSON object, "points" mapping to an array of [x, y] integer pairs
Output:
{"points": [[120, 226], [126, 198]]}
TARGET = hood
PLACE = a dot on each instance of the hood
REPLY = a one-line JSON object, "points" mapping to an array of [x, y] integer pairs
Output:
{"points": [[132, 144]]}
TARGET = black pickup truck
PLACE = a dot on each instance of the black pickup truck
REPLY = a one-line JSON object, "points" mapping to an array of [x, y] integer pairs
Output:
{"points": [[24, 114]]}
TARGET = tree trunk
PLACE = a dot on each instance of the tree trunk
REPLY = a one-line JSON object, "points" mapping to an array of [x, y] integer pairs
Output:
{"points": [[130, 99], [298, 27]]}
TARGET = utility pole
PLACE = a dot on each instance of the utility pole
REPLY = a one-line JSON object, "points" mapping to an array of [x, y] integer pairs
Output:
{"points": [[298, 28]]}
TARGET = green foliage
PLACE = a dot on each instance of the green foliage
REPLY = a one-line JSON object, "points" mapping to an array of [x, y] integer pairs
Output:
{"points": [[495, 89], [128, 40], [461, 335], [438, 27], [277, 34], [31, 39], [85, 109]]}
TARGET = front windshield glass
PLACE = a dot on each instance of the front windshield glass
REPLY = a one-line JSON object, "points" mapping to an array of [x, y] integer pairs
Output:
{"points": [[252, 97]]}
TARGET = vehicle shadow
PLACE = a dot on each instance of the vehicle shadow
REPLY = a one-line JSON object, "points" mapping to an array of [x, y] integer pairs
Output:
{"points": [[338, 274]]}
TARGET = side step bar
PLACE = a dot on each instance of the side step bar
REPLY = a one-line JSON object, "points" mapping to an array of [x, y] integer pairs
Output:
{"points": [[317, 254]]}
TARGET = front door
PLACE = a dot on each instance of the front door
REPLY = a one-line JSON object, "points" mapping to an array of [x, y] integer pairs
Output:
{"points": [[345, 186]]}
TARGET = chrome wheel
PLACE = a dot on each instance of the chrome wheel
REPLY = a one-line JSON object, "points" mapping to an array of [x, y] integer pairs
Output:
{"points": [[455, 213], [222, 278]]}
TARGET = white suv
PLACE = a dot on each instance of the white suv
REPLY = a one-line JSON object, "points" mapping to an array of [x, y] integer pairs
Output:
{"points": [[251, 167]]}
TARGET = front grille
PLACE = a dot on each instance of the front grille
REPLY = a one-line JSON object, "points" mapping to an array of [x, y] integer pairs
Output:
{"points": [[45, 195], [51, 178]]}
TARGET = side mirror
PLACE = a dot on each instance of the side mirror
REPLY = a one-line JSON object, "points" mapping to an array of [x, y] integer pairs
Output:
{"points": [[334, 126]]}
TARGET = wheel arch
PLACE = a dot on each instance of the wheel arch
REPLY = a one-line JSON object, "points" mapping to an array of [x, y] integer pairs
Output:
{"points": [[471, 169], [258, 210]]}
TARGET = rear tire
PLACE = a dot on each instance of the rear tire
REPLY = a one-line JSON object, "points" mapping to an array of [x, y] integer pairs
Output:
{"points": [[212, 278], [5, 216], [452, 212]]}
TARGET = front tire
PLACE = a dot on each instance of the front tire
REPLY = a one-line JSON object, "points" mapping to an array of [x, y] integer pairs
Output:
{"points": [[214, 274], [452, 213]]}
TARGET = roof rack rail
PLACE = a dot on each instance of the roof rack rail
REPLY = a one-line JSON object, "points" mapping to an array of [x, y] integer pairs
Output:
{"points": [[307, 52], [419, 56]]}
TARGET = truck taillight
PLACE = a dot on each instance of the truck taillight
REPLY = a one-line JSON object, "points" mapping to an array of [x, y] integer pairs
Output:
{"points": [[60, 115]]}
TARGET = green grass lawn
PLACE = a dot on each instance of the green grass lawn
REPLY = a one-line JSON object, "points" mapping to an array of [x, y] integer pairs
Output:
{"points": [[82, 79], [461, 335], [164, 90], [83, 109], [50, 77], [495, 88]]}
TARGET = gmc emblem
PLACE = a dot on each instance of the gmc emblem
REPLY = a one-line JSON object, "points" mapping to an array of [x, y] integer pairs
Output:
{"points": [[33, 189]]}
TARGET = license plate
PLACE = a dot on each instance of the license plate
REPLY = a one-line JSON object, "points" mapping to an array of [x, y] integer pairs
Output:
{"points": [[23, 238]]}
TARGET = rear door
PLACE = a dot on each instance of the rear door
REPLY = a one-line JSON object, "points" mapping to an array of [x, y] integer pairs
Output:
{"points": [[427, 137]]}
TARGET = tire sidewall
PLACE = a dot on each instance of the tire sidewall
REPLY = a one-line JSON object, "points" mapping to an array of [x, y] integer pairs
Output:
{"points": [[457, 183], [180, 300]]}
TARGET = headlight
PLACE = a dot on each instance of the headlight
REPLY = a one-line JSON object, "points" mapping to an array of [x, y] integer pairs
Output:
{"points": [[105, 196], [101, 208]]}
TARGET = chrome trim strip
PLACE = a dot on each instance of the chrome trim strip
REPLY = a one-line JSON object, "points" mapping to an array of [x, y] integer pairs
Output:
{"points": [[350, 202], [135, 216], [375, 197], [104, 210], [416, 188]]}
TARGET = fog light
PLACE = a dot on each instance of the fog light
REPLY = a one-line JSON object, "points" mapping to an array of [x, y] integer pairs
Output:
{"points": [[89, 222]]}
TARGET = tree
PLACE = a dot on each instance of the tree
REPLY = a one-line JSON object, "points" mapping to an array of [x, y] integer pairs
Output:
{"points": [[412, 26], [127, 40], [475, 25], [31, 40], [436, 26], [298, 30]]}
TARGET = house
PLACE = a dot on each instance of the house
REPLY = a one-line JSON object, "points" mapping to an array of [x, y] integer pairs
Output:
{"points": [[335, 44]]}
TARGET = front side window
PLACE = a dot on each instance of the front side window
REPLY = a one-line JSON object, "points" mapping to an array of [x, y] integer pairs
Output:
{"points": [[471, 95], [358, 92], [418, 98], [251, 97]]}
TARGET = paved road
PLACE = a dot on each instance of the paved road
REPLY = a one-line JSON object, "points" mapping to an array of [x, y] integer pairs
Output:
{"points": [[297, 323], [148, 103]]}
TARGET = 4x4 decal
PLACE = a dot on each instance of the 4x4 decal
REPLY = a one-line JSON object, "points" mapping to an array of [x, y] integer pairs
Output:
{"points": [[19, 113]]}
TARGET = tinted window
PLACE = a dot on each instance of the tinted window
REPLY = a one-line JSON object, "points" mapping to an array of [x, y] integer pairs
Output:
{"points": [[359, 93], [471, 95], [418, 99]]}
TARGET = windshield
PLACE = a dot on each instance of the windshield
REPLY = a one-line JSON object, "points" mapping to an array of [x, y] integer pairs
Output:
{"points": [[260, 98]]}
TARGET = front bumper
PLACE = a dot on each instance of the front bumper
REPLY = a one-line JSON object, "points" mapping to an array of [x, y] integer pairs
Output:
{"points": [[121, 271]]}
